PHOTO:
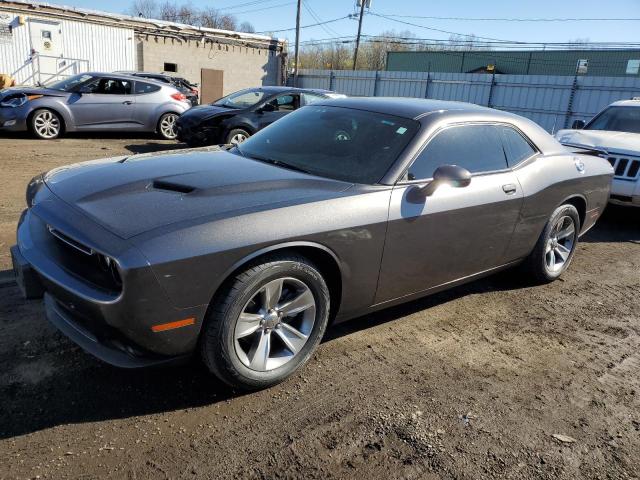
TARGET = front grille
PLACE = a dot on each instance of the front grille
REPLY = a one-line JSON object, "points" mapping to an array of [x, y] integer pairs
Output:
{"points": [[624, 166], [83, 262]]}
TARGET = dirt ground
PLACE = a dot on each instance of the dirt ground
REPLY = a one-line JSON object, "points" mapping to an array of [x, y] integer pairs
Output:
{"points": [[468, 384]]}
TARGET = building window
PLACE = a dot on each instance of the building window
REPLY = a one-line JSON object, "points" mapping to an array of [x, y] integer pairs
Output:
{"points": [[583, 66], [170, 67], [633, 67]]}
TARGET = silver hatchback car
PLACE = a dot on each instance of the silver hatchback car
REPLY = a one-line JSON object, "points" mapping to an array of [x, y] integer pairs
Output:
{"points": [[93, 102]]}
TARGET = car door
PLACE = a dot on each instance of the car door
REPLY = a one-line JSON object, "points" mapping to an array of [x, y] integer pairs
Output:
{"points": [[147, 97], [455, 232], [103, 103], [276, 108]]}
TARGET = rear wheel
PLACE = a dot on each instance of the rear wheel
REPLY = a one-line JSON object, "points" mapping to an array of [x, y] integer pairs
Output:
{"points": [[167, 126], [556, 246], [236, 136], [266, 323], [46, 124]]}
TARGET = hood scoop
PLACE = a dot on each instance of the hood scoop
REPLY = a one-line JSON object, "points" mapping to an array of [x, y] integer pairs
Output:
{"points": [[171, 187]]}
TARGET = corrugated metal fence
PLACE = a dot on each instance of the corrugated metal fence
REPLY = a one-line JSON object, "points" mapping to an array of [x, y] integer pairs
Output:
{"points": [[554, 102]]}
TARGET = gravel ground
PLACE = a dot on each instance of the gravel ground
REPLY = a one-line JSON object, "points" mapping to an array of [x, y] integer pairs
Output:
{"points": [[495, 379]]}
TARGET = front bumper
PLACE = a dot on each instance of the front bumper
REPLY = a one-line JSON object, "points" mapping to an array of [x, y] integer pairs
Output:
{"points": [[197, 134], [13, 119], [625, 192], [113, 326]]}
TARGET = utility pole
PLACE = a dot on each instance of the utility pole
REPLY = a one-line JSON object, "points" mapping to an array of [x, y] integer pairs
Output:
{"points": [[355, 53], [296, 55]]}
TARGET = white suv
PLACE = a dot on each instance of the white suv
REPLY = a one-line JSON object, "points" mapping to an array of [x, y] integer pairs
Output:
{"points": [[615, 134]]}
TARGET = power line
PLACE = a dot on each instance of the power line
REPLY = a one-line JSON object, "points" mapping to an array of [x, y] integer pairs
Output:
{"points": [[317, 18], [440, 30], [497, 19], [246, 4], [264, 8], [307, 26]]}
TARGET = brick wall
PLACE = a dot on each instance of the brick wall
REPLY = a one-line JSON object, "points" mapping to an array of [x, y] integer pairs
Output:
{"points": [[243, 66]]}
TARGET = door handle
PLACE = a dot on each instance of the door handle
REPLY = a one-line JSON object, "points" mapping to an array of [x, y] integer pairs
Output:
{"points": [[509, 188], [127, 102]]}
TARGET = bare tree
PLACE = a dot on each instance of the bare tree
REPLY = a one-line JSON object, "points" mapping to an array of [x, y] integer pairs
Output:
{"points": [[143, 8], [247, 27], [186, 13]]}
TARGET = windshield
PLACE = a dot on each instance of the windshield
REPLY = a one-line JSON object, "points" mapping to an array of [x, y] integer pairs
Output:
{"points": [[617, 119], [333, 142], [241, 99], [68, 84]]}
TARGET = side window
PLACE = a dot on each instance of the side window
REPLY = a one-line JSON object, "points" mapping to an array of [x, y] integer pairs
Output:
{"points": [[478, 148], [285, 103], [309, 98], [143, 87], [516, 147], [110, 86]]}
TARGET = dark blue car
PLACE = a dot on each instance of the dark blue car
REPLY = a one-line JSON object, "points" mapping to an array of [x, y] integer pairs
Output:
{"points": [[234, 118]]}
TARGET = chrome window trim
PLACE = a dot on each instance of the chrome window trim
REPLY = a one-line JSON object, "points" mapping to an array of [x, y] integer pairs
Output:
{"points": [[401, 180]]}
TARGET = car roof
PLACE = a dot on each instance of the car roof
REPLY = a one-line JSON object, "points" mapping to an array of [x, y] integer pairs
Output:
{"points": [[413, 108], [271, 89], [626, 103]]}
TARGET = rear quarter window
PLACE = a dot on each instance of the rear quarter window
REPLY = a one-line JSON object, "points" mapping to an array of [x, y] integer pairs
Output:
{"points": [[144, 87]]}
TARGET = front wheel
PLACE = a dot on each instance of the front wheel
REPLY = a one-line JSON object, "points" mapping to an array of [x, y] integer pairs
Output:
{"points": [[266, 323], [167, 126], [236, 136], [46, 124], [556, 246]]}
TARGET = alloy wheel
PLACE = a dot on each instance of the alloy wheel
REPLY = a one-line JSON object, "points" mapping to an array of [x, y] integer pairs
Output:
{"points": [[238, 138], [275, 324], [168, 126], [560, 243], [46, 124]]}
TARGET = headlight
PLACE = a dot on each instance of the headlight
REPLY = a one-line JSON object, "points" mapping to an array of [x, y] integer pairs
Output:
{"points": [[18, 101], [33, 187], [110, 266]]}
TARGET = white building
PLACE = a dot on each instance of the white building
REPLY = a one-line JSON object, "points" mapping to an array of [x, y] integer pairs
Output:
{"points": [[40, 42]]}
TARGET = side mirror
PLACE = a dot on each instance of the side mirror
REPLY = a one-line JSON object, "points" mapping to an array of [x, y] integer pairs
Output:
{"points": [[578, 125], [451, 175]]}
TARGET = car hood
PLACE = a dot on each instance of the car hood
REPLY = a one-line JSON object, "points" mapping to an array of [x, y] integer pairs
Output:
{"points": [[203, 112], [133, 195], [614, 142], [31, 91]]}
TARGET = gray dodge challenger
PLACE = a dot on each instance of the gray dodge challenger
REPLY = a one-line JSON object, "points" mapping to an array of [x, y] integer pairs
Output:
{"points": [[343, 207]]}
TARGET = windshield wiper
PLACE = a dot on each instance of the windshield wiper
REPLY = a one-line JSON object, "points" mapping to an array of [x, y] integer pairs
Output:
{"points": [[277, 163]]}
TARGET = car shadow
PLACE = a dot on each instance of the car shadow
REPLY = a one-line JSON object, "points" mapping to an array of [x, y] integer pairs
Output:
{"points": [[617, 224], [83, 389]]}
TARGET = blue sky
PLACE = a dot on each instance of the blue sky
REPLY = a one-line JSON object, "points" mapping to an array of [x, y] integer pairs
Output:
{"points": [[280, 14]]}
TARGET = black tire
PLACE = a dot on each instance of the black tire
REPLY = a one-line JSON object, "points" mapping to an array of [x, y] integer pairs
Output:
{"points": [[536, 264], [217, 341], [234, 133], [46, 124]]}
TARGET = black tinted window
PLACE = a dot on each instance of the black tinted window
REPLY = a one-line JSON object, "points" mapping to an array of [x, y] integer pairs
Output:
{"points": [[110, 86], [617, 119], [143, 87], [515, 146], [334, 142], [478, 148], [284, 103]]}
